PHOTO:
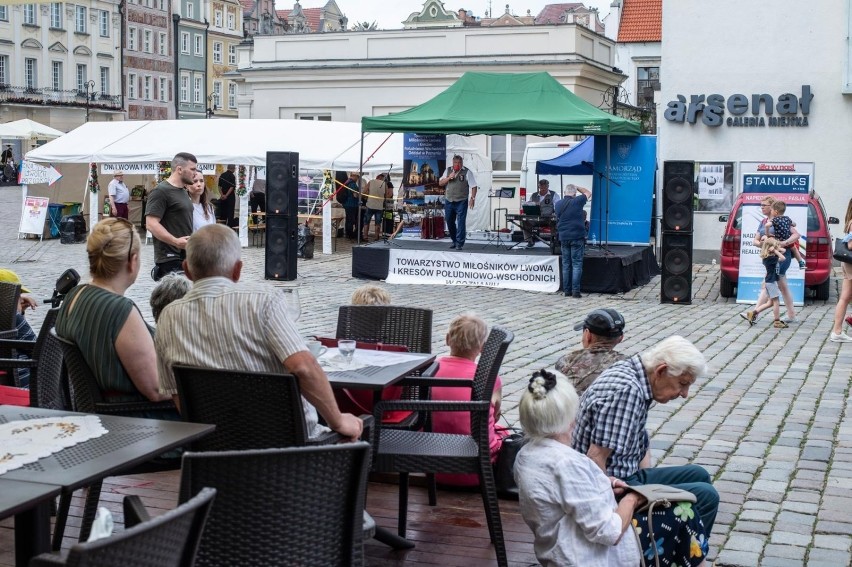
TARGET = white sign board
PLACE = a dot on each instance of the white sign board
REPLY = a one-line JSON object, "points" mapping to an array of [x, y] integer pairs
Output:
{"points": [[33, 173], [531, 273], [34, 215], [148, 168], [711, 181]]}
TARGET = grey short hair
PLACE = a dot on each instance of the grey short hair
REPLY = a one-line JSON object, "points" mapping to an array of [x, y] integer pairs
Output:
{"points": [[170, 288], [466, 334], [680, 355], [550, 413], [212, 251], [370, 295]]}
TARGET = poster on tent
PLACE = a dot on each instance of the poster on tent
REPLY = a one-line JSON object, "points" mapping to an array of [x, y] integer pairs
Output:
{"points": [[33, 215], [424, 158], [789, 182], [147, 168], [621, 209]]}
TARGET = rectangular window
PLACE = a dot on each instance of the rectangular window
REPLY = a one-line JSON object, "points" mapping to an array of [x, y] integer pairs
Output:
{"points": [[131, 38], [198, 91], [217, 52], [316, 117], [4, 69], [131, 85], [82, 77], [647, 81], [507, 152], [232, 18], [199, 45], [162, 5], [105, 80], [146, 90], [146, 42], [164, 42], [104, 21], [56, 15], [184, 42], [30, 73], [232, 95], [232, 55], [184, 88], [163, 96], [30, 14], [190, 11], [217, 95], [217, 19], [80, 19], [57, 76], [4, 14]]}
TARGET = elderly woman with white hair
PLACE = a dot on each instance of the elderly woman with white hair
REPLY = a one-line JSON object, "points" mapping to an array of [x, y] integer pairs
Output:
{"points": [[570, 504], [170, 288]]}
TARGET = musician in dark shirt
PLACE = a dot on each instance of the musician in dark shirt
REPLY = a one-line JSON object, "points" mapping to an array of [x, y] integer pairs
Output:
{"points": [[546, 199]]}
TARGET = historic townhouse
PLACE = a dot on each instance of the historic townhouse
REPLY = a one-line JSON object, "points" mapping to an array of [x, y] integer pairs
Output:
{"points": [[149, 63], [189, 18], [223, 36]]}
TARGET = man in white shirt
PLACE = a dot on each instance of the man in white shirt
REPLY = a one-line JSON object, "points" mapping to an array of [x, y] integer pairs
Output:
{"points": [[224, 324], [119, 196]]}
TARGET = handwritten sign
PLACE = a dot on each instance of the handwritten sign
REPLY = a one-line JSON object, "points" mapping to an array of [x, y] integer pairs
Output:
{"points": [[33, 215], [33, 173]]}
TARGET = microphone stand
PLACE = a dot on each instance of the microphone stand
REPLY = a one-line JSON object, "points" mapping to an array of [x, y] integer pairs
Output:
{"points": [[601, 177]]}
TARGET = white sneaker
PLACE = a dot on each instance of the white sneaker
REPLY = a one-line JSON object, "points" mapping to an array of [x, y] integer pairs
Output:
{"points": [[840, 338]]}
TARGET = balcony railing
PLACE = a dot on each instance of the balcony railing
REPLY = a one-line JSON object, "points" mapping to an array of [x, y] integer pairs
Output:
{"points": [[51, 97]]}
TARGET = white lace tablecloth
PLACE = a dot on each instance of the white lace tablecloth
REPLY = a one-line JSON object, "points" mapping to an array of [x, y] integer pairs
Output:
{"points": [[332, 361], [26, 441]]}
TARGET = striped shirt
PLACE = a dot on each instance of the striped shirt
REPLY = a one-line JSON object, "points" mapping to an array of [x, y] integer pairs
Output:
{"points": [[613, 414], [222, 324]]}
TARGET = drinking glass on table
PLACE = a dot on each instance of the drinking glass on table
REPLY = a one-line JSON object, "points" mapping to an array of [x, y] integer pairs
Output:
{"points": [[292, 303], [346, 349]]}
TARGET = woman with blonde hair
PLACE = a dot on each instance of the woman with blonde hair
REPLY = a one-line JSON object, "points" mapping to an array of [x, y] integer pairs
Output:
{"points": [[108, 328], [570, 504], [202, 209], [837, 335]]}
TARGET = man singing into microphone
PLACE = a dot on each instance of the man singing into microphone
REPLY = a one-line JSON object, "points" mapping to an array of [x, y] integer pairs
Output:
{"points": [[460, 184]]}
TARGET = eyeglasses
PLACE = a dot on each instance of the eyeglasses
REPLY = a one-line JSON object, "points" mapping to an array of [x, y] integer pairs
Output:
{"points": [[130, 226]]}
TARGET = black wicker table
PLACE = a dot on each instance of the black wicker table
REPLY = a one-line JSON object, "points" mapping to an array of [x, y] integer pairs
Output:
{"points": [[129, 442], [28, 502]]}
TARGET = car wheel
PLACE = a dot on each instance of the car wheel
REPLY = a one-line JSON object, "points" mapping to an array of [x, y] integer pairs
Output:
{"points": [[822, 290], [726, 286]]}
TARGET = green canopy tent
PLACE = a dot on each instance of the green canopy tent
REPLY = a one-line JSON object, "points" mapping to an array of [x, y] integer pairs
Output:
{"points": [[506, 103]]}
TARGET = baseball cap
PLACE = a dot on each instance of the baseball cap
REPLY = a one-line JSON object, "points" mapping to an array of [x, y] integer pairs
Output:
{"points": [[603, 322], [11, 277], [117, 173]]}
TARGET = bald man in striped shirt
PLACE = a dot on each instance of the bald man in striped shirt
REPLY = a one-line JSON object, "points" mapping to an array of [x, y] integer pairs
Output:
{"points": [[224, 324]]}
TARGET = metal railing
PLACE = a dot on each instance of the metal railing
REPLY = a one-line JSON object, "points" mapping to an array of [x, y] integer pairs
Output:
{"points": [[50, 97]]}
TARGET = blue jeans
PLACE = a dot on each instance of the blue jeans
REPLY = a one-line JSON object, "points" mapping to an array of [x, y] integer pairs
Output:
{"points": [[572, 265], [456, 211], [691, 478]]}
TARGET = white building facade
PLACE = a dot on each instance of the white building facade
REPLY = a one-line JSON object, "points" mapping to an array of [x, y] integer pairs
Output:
{"points": [[739, 48]]}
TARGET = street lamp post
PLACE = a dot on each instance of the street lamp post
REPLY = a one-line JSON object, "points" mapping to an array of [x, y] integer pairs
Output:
{"points": [[90, 87], [210, 107]]}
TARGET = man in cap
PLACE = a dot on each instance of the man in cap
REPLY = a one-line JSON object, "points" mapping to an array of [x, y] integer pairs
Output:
{"points": [[546, 200], [24, 331], [119, 196], [602, 330], [571, 224]]}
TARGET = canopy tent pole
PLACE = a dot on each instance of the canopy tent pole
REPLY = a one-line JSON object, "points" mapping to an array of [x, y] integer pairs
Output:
{"points": [[608, 186], [359, 220]]}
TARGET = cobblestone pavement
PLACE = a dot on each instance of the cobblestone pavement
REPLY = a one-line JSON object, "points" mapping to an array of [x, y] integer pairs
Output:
{"points": [[770, 421]]}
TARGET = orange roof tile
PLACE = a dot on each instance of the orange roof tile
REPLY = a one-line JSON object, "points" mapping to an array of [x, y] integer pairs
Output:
{"points": [[641, 20], [312, 17], [248, 6], [552, 13]]}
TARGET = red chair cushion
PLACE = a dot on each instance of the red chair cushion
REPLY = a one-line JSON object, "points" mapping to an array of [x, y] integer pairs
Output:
{"points": [[12, 396]]}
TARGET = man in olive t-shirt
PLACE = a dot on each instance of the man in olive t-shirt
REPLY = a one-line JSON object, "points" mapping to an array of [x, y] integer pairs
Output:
{"points": [[168, 215]]}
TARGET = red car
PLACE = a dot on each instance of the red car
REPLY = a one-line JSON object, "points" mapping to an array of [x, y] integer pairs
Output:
{"points": [[819, 253]]}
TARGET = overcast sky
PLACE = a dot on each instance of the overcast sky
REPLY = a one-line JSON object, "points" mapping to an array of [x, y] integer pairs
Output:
{"points": [[389, 15]]}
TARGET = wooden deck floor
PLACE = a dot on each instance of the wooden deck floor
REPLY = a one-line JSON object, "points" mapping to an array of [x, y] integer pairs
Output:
{"points": [[453, 533]]}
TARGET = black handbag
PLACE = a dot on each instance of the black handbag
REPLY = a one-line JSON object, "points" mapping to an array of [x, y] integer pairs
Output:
{"points": [[504, 468], [841, 251]]}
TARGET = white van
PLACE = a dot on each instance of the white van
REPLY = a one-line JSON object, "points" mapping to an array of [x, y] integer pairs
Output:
{"points": [[543, 151]]}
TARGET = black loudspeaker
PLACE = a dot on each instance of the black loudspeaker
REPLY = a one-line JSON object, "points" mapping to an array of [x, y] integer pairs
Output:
{"points": [[678, 191], [282, 215], [676, 281]]}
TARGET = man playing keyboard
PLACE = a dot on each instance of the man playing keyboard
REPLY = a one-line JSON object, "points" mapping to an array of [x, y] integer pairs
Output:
{"points": [[546, 200]]}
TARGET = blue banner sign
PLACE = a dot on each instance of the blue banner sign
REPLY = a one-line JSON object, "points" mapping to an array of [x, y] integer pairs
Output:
{"points": [[776, 183], [424, 160], [621, 214]]}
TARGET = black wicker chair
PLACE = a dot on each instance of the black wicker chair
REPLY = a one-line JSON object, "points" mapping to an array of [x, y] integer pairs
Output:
{"points": [[9, 295], [85, 397], [391, 324], [35, 348], [405, 452], [296, 506], [170, 540]]}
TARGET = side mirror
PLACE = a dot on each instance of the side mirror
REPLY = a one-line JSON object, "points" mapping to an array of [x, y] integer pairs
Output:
{"points": [[723, 218], [833, 220]]}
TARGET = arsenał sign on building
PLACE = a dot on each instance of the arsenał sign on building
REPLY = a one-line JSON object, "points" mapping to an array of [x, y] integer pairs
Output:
{"points": [[791, 110]]}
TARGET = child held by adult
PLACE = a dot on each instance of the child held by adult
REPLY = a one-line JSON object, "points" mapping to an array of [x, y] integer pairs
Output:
{"points": [[771, 253]]}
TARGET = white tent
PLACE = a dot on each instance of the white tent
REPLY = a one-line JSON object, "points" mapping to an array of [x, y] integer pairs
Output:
{"points": [[26, 129]]}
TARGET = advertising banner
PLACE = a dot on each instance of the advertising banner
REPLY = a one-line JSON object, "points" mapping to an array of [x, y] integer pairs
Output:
{"points": [[33, 173], [531, 273], [424, 161], [148, 168], [624, 216], [33, 215]]}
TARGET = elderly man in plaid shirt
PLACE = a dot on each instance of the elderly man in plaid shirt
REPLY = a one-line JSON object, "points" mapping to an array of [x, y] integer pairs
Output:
{"points": [[613, 413]]}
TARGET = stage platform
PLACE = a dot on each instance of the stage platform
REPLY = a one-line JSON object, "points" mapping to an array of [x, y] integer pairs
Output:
{"points": [[614, 269]]}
